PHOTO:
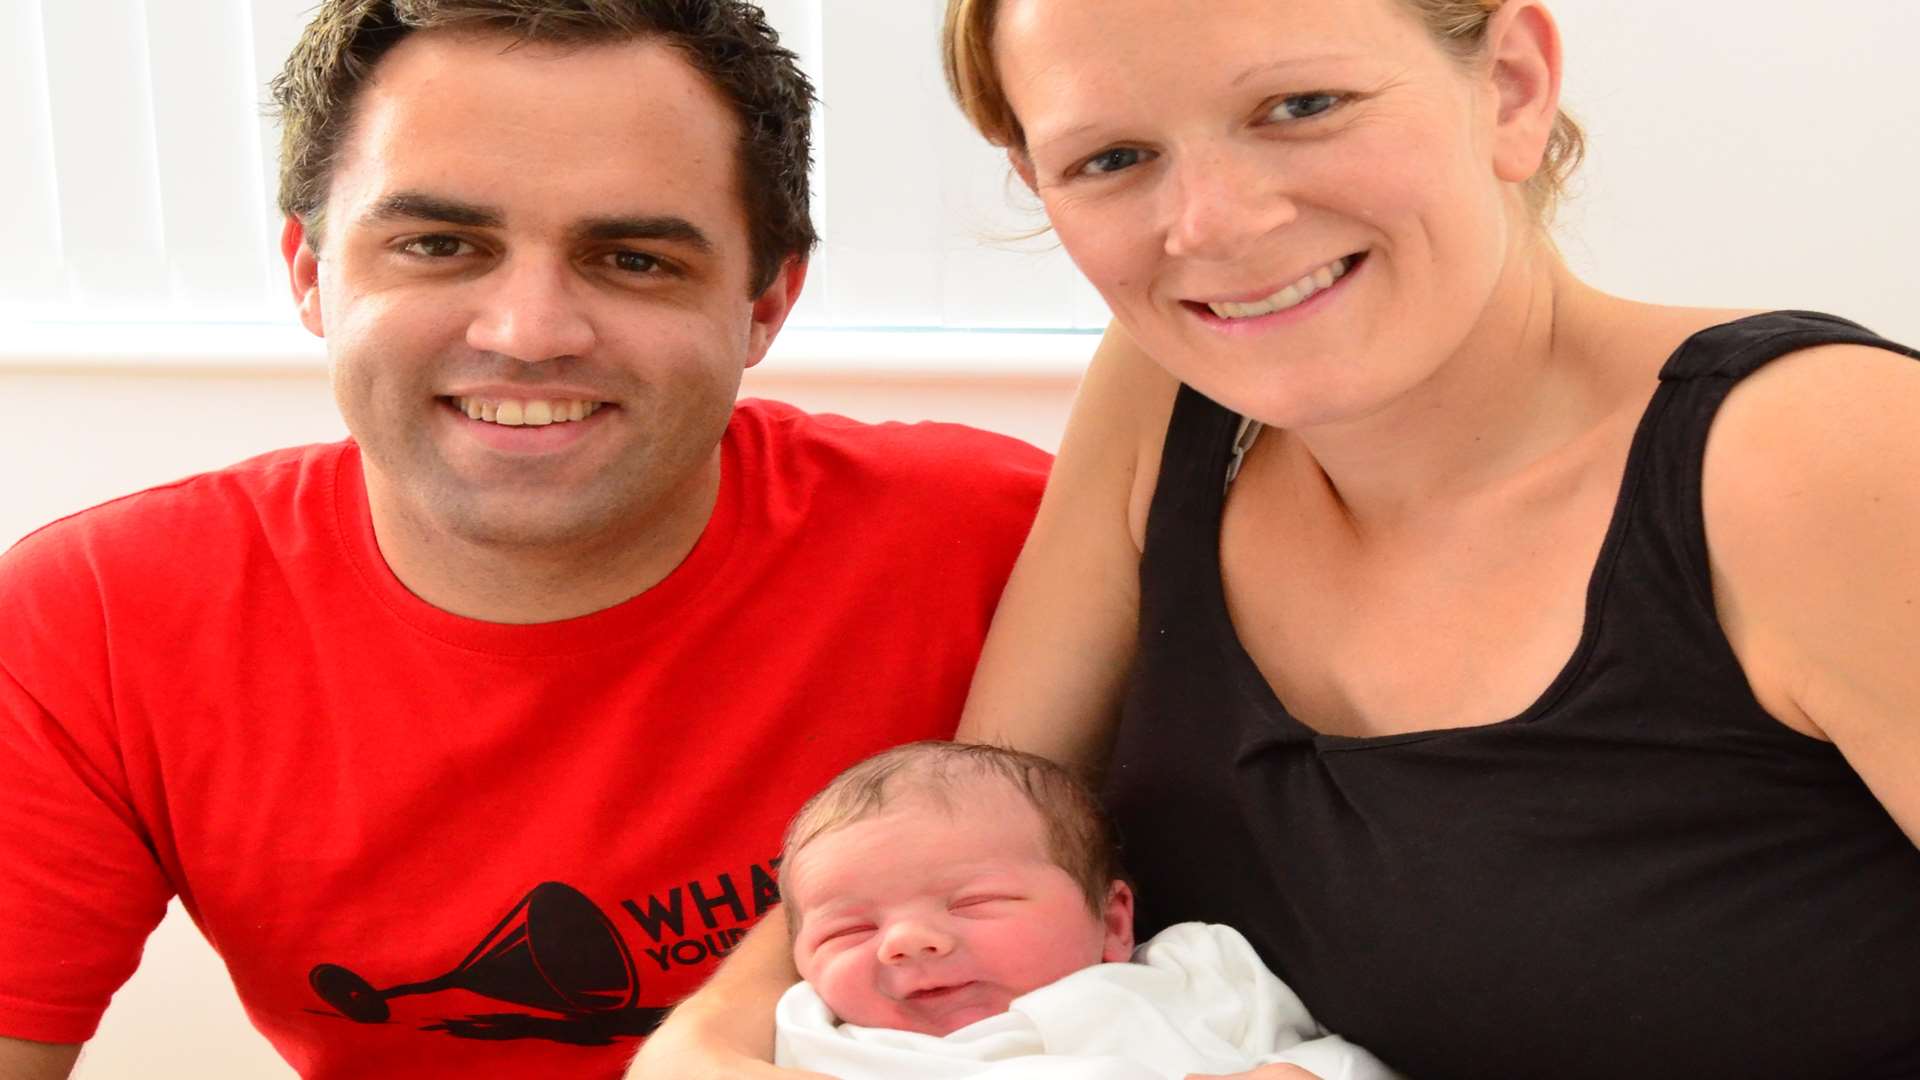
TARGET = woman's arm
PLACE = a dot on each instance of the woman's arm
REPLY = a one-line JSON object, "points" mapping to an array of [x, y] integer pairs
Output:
{"points": [[1056, 659], [1812, 503], [725, 1031]]}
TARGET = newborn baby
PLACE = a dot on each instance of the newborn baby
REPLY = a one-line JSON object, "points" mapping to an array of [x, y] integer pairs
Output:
{"points": [[957, 910]]}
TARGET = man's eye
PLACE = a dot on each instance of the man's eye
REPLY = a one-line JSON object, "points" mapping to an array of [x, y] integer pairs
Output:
{"points": [[636, 262], [1111, 161], [1304, 106], [435, 247]]}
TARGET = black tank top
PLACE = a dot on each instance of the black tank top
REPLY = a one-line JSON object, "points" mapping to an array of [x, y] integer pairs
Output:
{"points": [[1642, 875]]}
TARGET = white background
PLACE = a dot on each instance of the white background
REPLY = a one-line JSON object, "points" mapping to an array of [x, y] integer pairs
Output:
{"points": [[1748, 153]]}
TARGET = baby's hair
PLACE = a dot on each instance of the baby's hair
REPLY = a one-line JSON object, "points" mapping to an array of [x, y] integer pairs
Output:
{"points": [[1079, 835]]}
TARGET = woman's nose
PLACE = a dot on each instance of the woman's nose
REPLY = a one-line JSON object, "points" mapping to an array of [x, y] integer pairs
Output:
{"points": [[913, 939], [532, 312], [1220, 203]]}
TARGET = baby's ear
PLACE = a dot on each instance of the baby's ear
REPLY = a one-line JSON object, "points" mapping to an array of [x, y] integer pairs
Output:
{"points": [[1117, 915]]}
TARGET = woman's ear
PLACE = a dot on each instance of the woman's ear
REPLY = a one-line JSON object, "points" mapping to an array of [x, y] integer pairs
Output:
{"points": [[1116, 917], [1523, 47], [1023, 167]]}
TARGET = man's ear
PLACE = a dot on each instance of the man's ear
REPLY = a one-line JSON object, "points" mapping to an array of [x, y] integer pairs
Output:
{"points": [[1022, 167], [303, 273], [773, 305], [1523, 46], [1117, 919]]}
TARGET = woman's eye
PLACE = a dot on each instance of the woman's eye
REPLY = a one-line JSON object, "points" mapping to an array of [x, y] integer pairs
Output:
{"points": [[1111, 161], [1304, 106], [435, 247]]}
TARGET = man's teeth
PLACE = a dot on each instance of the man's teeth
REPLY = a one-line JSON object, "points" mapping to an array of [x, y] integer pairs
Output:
{"points": [[1291, 296], [512, 412]]}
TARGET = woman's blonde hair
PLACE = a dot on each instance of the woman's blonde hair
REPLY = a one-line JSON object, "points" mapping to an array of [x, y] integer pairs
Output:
{"points": [[1458, 26]]}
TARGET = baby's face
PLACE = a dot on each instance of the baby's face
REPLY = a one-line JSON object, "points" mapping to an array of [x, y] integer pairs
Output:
{"points": [[927, 920]]}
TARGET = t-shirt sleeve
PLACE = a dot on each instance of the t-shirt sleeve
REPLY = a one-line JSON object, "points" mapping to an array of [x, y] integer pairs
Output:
{"points": [[79, 882]]}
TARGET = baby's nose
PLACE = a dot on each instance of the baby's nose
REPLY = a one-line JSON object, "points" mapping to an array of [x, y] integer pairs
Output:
{"points": [[914, 939]]}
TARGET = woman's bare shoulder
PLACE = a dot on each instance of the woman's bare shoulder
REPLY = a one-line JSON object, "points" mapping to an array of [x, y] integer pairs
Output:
{"points": [[1811, 501], [1126, 403]]}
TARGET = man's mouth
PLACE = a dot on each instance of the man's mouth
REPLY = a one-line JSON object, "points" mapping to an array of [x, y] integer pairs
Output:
{"points": [[1290, 296], [525, 412]]}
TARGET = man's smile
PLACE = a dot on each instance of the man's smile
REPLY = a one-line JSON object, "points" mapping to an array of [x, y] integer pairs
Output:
{"points": [[529, 412]]}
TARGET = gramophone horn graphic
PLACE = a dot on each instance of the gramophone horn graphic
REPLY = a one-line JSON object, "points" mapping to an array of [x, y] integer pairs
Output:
{"points": [[555, 951]]}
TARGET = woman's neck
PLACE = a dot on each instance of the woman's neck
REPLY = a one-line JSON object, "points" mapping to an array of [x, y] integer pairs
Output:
{"points": [[1520, 389]]}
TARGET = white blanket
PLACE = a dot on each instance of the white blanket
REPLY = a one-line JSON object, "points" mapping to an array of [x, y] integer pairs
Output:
{"points": [[1195, 999]]}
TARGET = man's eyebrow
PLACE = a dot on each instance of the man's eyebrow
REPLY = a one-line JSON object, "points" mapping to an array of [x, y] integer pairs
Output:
{"points": [[419, 206], [675, 229]]}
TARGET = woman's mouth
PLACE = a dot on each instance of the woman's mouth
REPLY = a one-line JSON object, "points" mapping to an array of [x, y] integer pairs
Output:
{"points": [[1287, 297]]}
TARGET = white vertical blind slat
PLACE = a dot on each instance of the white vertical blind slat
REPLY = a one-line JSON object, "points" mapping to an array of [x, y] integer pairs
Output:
{"points": [[29, 200], [274, 26], [211, 187], [994, 273], [799, 24], [98, 92], [881, 203]]}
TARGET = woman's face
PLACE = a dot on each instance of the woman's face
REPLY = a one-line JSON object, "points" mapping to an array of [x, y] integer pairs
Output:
{"points": [[1291, 204]]}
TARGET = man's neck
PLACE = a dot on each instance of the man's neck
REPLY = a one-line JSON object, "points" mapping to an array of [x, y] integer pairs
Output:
{"points": [[543, 582]]}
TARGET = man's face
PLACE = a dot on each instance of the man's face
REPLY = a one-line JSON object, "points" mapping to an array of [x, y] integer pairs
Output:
{"points": [[533, 283]]}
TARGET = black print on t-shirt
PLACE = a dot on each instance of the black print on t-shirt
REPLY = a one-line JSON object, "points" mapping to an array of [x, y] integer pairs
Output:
{"points": [[722, 909], [556, 951]]}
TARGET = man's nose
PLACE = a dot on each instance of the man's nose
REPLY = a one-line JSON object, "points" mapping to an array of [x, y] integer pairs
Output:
{"points": [[1220, 202], [914, 939], [533, 310]]}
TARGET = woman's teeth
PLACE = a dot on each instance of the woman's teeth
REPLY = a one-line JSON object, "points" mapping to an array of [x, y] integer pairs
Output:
{"points": [[1291, 296], [532, 413]]}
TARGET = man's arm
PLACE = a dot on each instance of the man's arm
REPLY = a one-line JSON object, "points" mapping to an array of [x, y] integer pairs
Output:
{"points": [[22, 1060], [725, 1030]]}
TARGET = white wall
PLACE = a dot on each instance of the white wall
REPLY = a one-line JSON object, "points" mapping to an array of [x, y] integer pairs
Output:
{"points": [[1749, 153], [1745, 152]]}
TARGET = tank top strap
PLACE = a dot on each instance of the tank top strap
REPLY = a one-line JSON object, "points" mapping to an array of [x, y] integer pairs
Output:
{"points": [[1734, 350], [1194, 465], [1661, 500], [1671, 448]]}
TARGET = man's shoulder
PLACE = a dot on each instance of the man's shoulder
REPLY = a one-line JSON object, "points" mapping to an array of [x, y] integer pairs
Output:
{"points": [[190, 517], [926, 455]]}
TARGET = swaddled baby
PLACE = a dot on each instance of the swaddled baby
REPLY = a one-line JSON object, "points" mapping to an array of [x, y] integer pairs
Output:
{"points": [[958, 910]]}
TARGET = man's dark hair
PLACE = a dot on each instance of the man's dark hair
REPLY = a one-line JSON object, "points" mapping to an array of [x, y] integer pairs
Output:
{"points": [[729, 41]]}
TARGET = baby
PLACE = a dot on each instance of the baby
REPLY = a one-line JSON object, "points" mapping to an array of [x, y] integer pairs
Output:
{"points": [[958, 910]]}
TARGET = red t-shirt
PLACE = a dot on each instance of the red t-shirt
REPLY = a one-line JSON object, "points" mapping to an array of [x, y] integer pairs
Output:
{"points": [[430, 846]]}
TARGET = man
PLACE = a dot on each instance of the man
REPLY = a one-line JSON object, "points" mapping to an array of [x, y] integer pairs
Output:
{"points": [[468, 742]]}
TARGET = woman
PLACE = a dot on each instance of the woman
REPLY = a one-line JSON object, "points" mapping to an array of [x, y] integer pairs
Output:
{"points": [[1521, 668], [1530, 709]]}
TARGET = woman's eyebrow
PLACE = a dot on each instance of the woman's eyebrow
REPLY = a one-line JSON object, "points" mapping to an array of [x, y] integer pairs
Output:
{"points": [[1292, 61]]}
